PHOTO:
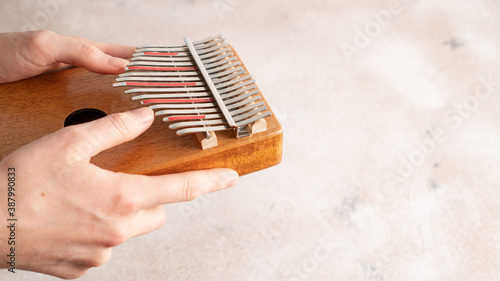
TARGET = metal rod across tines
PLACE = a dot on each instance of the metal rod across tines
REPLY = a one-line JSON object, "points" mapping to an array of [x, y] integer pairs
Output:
{"points": [[209, 83]]}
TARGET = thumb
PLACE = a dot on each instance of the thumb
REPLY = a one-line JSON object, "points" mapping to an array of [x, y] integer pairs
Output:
{"points": [[93, 137], [80, 53]]}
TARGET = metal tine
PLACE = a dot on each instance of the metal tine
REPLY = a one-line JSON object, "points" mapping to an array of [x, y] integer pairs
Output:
{"points": [[186, 111], [196, 123], [205, 117], [229, 77], [217, 98], [126, 84], [243, 103], [178, 48], [155, 63], [173, 49], [208, 44], [166, 90], [220, 116], [162, 58], [218, 58], [173, 95], [225, 66], [219, 63], [237, 86], [224, 73], [215, 53], [217, 121], [204, 41], [253, 119], [201, 129], [133, 78], [247, 108], [235, 66], [240, 97], [185, 54], [183, 105], [216, 47], [239, 91], [204, 53], [233, 81], [250, 113], [178, 54], [180, 58], [159, 73]]}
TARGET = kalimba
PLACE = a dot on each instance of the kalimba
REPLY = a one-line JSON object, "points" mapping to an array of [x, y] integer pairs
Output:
{"points": [[197, 88]]}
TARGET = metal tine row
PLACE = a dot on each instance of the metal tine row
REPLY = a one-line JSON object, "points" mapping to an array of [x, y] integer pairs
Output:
{"points": [[172, 73], [215, 71], [241, 113], [238, 96], [207, 115], [145, 58], [136, 74], [240, 117], [208, 42], [222, 128], [236, 113], [165, 112], [239, 104], [158, 56], [247, 80], [230, 102], [197, 95], [175, 62], [230, 75], [222, 82], [237, 89]]}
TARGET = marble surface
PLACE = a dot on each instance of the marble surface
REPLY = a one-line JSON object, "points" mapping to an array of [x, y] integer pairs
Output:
{"points": [[392, 139]]}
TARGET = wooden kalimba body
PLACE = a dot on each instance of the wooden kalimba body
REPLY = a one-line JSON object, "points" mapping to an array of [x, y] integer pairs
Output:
{"points": [[211, 112]]}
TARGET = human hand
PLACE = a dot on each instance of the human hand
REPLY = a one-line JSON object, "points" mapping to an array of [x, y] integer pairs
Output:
{"points": [[26, 54], [71, 212]]}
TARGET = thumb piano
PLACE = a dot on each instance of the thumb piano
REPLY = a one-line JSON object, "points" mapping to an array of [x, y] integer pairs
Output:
{"points": [[209, 111]]}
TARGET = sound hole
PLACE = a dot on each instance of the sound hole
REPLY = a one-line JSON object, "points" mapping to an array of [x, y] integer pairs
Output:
{"points": [[83, 115]]}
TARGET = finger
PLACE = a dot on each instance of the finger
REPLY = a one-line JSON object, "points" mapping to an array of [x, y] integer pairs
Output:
{"points": [[90, 138], [80, 53], [115, 50], [150, 191]]}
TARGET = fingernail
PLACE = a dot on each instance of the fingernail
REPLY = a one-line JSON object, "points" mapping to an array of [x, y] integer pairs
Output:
{"points": [[117, 62], [145, 114], [233, 178]]}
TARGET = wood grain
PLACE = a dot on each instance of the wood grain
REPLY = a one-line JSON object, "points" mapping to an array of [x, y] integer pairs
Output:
{"points": [[38, 106]]}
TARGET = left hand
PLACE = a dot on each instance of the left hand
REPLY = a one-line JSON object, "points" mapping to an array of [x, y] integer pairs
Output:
{"points": [[26, 54]]}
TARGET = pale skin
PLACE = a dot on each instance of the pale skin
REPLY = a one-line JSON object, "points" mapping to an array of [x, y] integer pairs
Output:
{"points": [[70, 212]]}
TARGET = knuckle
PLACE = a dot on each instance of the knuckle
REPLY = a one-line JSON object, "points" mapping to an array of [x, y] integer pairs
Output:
{"points": [[219, 182], [88, 50], [190, 189], [100, 257], [124, 205], [116, 236], [72, 141], [72, 133], [117, 122], [40, 38]]}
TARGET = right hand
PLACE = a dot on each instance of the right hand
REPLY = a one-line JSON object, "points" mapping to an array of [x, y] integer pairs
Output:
{"points": [[72, 213]]}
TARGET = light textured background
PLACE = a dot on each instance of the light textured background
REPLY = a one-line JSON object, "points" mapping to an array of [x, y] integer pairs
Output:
{"points": [[330, 210]]}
